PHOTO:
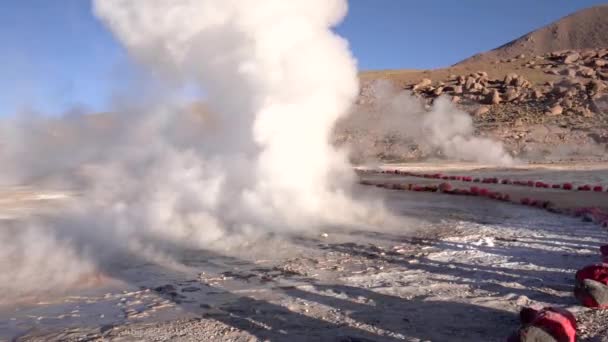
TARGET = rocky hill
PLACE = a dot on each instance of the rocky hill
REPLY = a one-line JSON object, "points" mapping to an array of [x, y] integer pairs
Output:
{"points": [[544, 95], [586, 29]]}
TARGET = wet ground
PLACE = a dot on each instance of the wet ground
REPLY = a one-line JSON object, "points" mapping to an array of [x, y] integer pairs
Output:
{"points": [[456, 269]]}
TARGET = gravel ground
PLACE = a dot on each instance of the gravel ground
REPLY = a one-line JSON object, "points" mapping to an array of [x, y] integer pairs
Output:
{"points": [[458, 269]]}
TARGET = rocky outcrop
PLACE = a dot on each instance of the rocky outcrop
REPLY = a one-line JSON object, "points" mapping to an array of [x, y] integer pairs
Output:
{"points": [[583, 79], [552, 101]]}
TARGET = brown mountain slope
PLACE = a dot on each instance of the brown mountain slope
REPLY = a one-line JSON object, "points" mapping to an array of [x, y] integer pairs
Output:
{"points": [[585, 29]]}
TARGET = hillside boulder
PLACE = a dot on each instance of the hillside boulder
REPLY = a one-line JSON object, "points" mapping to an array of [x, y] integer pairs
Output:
{"points": [[425, 83], [555, 110], [481, 111], [511, 95], [470, 83], [571, 58], [510, 79]]}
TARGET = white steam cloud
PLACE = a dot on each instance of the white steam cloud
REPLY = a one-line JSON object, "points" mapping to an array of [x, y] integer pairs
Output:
{"points": [[389, 112], [153, 177], [278, 78]]}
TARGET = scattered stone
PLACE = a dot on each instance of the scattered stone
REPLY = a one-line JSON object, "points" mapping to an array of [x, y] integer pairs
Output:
{"points": [[567, 103], [537, 94], [599, 105], [523, 83], [481, 111], [494, 97], [478, 87], [571, 58], [510, 78], [559, 90], [470, 82], [595, 87], [586, 112], [555, 110], [588, 55], [586, 72], [569, 72], [600, 63], [511, 94], [423, 84]]}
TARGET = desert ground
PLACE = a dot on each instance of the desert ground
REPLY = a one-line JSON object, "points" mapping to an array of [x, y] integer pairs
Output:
{"points": [[454, 270]]}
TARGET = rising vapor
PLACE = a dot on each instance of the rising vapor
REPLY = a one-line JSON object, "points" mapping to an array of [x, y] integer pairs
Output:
{"points": [[395, 114], [276, 78]]}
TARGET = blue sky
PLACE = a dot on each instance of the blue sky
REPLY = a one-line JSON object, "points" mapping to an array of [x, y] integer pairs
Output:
{"points": [[55, 55]]}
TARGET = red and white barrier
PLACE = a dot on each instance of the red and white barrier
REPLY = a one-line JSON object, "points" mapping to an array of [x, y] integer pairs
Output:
{"points": [[494, 180], [588, 214]]}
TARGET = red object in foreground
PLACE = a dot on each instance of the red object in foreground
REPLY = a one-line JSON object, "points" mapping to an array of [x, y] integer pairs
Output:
{"points": [[584, 188], [598, 188], [567, 186], [546, 325], [525, 201], [591, 287], [556, 186]]}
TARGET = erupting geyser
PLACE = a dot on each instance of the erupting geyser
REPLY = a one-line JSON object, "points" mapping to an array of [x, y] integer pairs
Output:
{"points": [[276, 77]]}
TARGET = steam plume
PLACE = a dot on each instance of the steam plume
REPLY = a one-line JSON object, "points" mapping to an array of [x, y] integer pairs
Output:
{"points": [[391, 113], [276, 78]]}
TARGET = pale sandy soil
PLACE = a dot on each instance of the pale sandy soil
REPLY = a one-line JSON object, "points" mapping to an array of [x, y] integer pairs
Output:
{"points": [[458, 269]]}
